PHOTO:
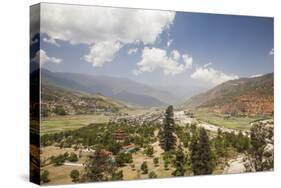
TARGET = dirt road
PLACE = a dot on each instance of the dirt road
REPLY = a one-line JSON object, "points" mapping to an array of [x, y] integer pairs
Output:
{"points": [[235, 166]]}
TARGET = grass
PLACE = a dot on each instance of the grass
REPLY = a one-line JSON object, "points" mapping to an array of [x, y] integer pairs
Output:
{"points": [[60, 174], [240, 123], [72, 122], [65, 123], [138, 158]]}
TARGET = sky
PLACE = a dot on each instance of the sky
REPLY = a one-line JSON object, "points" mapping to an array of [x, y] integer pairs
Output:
{"points": [[160, 48]]}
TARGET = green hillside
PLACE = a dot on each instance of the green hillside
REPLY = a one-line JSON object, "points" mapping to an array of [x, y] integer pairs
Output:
{"points": [[58, 101]]}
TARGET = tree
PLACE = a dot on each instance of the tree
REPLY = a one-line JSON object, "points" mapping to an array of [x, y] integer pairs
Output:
{"points": [[167, 158], [45, 176], [113, 146], [73, 157], [194, 156], [167, 139], [74, 174], [242, 143], [166, 164], [201, 155], [262, 149], [98, 168], [66, 155], [156, 161], [58, 160], [179, 162], [152, 175], [149, 151], [221, 150], [185, 139], [122, 158], [193, 129], [60, 111], [117, 175], [144, 167]]}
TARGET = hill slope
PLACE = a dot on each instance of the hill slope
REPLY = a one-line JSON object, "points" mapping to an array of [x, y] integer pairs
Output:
{"points": [[245, 96], [123, 89], [58, 101]]}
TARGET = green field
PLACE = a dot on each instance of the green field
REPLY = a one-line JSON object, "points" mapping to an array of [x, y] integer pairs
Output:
{"points": [[71, 122], [64, 123], [240, 123]]}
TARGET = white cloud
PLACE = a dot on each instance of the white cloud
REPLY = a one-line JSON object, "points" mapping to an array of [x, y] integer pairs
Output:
{"points": [[156, 58], [256, 75], [51, 41], [169, 42], [42, 58], [175, 55], [211, 76], [102, 52], [187, 60], [132, 50], [207, 65], [94, 25], [271, 52], [89, 24]]}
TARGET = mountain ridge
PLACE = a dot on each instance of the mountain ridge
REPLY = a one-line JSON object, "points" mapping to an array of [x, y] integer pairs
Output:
{"points": [[244, 96], [124, 89], [59, 101]]}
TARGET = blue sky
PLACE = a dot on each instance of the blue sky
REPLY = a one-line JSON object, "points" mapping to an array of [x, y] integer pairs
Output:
{"points": [[168, 48]]}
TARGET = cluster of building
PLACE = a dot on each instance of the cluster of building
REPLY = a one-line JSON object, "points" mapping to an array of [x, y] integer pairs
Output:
{"points": [[139, 119], [183, 117]]}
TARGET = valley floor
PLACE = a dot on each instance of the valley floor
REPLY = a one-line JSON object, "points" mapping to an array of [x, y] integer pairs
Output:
{"points": [[60, 174]]}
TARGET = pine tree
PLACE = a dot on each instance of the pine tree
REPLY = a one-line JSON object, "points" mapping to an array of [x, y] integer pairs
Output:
{"points": [[205, 153], [201, 155], [194, 156], [179, 162], [168, 140], [242, 143], [98, 168], [219, 144]]}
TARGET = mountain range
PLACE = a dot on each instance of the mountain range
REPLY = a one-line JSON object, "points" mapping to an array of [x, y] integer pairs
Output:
{"points": [[121, 89], [244, 96]]}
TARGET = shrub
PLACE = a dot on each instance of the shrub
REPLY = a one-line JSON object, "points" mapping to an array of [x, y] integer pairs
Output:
{"points": [[58, 160], [152, 175], [117, 175], [45, 176], [74, 174], [149, 151], [144, 167], [73, 157], [122, 158], [156, 161]]}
